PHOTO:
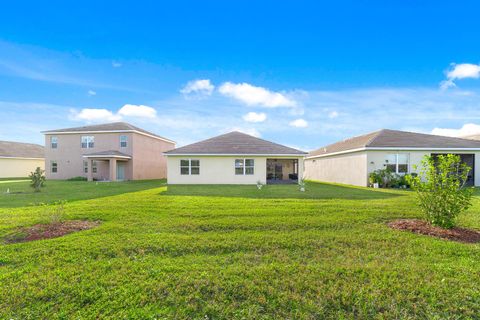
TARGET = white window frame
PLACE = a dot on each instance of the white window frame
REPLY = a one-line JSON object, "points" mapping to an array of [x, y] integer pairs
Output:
{"points": [[52, 166], [396, 162], [189, 167], [87, 142], [121, 141], [244, 167], [85, 166], [94, 166], [54, 142]]}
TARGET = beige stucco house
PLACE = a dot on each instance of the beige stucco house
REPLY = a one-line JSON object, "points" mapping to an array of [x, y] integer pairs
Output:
{"points": [[234, 158], [18, 159], [113, 151], [350, 161]]}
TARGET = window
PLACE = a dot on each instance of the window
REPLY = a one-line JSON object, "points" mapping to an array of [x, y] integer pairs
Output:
{"points": [[85, 166], [94, 166], [87, 142], [123, 141], [53, 166], [397, 162], [189, 167], [244, 166], [53, 142]]}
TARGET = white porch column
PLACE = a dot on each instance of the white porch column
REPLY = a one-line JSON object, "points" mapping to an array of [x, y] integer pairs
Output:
{"points": [[89, 167], [113, 169]]}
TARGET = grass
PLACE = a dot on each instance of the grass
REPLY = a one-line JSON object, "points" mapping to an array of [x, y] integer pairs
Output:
{"points": [[233, 252], [21, 194]]}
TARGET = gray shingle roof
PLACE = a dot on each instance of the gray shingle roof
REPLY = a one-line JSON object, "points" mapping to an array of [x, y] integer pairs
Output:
{"points": [[396, 139], [21, 150], [235, 143], [114, 126]]}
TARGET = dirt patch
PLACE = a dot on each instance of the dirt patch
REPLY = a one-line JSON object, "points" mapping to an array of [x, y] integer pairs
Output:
{"points": [[50, 230], [423, 227]]}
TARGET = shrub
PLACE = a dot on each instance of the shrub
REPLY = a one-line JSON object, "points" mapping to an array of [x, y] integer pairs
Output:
{"points": [[440, 188], [374, 177], [79, 178], [37, 179]]}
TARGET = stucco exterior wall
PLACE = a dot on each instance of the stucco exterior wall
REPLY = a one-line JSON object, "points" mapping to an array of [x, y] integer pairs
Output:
{"points": [[376, 159], [348, 168], [221, 170], [148, 159], [19, 167], [354, 168], [69, 153]]}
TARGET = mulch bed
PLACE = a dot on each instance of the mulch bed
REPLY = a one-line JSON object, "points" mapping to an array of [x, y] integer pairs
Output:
{"points": [[51, 230], [423, 227]]}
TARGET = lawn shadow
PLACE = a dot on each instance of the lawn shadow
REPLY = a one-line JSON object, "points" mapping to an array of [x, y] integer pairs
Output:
{"points": [[314, 190]]}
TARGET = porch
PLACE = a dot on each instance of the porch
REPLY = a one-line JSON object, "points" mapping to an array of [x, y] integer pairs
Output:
{"points": [[282, 171], [108, 165]]}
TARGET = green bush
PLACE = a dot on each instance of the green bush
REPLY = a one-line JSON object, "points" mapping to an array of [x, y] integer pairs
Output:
{"points": [[37, 179], [77, 179], [440, 188]]}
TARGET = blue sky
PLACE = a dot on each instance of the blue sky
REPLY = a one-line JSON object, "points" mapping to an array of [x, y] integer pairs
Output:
{"points": [[302, 73]]}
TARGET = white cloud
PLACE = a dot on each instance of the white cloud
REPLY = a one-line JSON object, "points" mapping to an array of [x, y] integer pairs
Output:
{"points": [[467, 129], [105, 115], [255, 117], [116, 64], [91, 93], [94, 115], [139, 111], [333, 114], [299, 123], [460, 71], [199, 87], [255, 96]]}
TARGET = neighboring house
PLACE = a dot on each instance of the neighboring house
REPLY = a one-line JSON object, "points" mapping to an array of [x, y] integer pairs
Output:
{"points": [[234, 158], [350, 161], [18, 159], [113, 151]]}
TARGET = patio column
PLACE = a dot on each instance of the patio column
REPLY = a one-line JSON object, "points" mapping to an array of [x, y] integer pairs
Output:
{"points": [[89, 167], [113, 169]]}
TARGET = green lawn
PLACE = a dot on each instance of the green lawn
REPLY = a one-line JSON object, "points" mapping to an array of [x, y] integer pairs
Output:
{"points": [[232, 252]]}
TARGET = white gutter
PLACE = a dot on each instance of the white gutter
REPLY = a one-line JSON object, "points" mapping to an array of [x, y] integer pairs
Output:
{"points": [[234, 154], [106, 156], [107, 131], [392, 149], [24, 158]]}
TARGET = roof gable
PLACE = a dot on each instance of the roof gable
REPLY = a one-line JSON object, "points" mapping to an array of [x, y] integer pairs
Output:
{"points": [[396, 139], [235, 143]]}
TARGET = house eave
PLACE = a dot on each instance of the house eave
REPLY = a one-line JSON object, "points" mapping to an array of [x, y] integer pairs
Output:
{"points": [[96, 156], [391, 149], [21, 158], [234, 154], [107, 131]]}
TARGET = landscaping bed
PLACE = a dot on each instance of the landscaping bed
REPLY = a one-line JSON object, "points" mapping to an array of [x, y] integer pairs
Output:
{"points": [[423, 227], [50, 230]]}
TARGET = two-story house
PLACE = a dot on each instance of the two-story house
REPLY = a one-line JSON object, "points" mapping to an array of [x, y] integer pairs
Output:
{"points": [[112, 151]]}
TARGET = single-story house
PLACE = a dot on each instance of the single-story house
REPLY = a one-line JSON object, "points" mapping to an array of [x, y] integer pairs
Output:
{"points": [[350, 161], [18, 159], [108, 152], [234, 158]]}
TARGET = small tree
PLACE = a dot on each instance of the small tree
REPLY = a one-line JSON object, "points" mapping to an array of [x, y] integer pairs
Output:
{"points": [[37, 179], [440, 188]]}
